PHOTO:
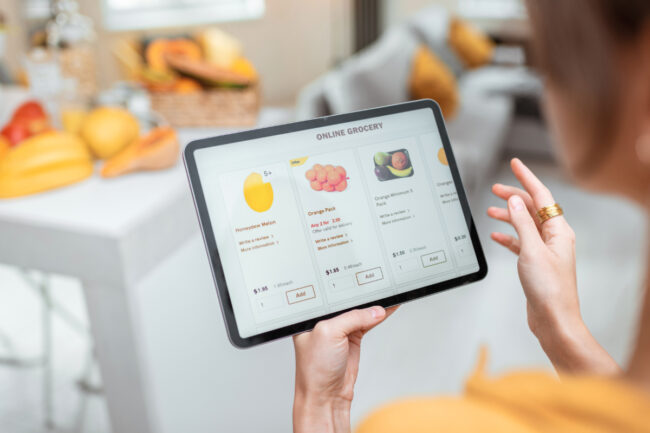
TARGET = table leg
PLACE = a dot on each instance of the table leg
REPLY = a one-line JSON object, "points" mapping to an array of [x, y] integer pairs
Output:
{"points": [[48, 412], [115, 331]]}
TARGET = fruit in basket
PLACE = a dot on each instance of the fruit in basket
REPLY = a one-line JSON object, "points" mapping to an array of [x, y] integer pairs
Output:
{"points": [[206, 73], [107, 130], [158, 77], [157, 81], [186, 85], [157, 51], [154, 151], [220, 49], [155, 55], [45, 161], [245, 68]]}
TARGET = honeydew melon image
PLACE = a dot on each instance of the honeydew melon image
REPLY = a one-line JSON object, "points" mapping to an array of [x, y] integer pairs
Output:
{"points": [[257, 193]]}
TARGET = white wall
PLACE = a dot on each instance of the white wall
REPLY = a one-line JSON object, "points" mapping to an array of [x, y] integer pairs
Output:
{"points": [[15, 40], [292, 44], [295, 41], [397, 11]]}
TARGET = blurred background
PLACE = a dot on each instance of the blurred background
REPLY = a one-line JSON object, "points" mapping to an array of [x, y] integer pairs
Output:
{"points": [[109, 321]]}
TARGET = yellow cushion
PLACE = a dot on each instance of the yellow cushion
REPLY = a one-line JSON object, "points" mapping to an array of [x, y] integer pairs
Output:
{"points": [[521, 402], [432, 78], [472, 47]]}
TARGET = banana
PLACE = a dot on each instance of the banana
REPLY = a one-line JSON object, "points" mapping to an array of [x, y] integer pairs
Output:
{"points": [[400, 173], [43, 162]]}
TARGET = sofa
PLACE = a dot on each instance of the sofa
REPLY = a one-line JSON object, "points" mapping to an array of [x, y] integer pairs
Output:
{"points": [[378, 75]]}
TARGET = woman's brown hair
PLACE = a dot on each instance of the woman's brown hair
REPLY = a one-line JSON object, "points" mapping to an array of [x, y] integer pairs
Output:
{"points": [[576, 44]]}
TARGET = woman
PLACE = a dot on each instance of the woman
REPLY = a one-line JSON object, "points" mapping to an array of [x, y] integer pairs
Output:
{"points": [[595, 56]]}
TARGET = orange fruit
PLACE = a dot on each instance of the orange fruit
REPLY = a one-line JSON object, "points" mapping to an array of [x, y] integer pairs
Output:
{"points": [[327, 187], [333, 178], [442, 156], [187, 85], [342, 185], [107, 130], [310, 175], [316, 185], [399, 160], [340, 170], [321, 176]]}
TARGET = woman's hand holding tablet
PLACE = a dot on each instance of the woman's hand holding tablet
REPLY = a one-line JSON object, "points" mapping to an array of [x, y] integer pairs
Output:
{"points": [[307, 220]]}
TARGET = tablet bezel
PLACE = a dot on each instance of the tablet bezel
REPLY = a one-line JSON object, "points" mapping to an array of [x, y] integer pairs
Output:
{"points": [[210, 241]]}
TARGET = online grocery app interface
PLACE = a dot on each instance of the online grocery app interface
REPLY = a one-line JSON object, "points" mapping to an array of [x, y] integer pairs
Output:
{"points": [[315, 221]]}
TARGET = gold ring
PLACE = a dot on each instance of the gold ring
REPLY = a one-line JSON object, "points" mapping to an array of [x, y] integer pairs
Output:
{"points": [[548, 212]]}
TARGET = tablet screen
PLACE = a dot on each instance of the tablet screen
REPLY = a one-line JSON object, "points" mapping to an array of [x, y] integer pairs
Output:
{"points": [[315, 221]]}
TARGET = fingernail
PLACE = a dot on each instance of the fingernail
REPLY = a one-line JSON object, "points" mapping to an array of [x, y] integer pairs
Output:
{"points": [[516, 203], [377, 312]]}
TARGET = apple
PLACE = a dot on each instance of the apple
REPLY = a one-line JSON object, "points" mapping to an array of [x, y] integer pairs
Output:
{"points": [[15, 133]]}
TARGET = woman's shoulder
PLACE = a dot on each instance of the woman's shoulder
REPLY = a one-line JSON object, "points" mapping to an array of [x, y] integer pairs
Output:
{"points": [[439, 414], [521, 402]]}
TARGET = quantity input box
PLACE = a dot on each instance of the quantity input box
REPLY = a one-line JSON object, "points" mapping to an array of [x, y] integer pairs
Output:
{"points": [[270, 302], [408, 265], [343, 283]]}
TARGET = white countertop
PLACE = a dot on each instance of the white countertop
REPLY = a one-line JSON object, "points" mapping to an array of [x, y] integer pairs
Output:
{"points": [[110, 207], [127, 223]]}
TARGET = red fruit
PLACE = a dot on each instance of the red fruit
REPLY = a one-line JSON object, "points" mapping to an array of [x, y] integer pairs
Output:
{"points": [[37, 125], [341, 186], [399, 160], [29, 110], [32, 115], [15, 132], [310, 175], [340, 170], [316, 185], [333, 178]]}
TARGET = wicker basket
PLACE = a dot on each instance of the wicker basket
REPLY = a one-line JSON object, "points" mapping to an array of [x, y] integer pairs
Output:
{"points": [[216, 107]]}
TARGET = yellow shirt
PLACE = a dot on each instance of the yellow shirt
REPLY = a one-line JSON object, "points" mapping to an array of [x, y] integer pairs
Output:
{"points": [[522, 402]]}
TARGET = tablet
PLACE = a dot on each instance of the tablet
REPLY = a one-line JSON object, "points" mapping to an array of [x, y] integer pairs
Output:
{"points": [[306, 220]]}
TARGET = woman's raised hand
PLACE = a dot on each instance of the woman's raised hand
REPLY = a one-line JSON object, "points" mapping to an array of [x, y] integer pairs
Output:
{"points": [[547, 270], [327, 363]]}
